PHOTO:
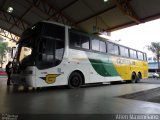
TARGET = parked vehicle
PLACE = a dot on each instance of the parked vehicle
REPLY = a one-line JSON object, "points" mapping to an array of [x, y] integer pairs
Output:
{"points": [[155, 75]]}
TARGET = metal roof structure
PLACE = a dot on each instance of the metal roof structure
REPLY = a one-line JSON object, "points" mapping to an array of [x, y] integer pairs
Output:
{"points": [[89, 15]]}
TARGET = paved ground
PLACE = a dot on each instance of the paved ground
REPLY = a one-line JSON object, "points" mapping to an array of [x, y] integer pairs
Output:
{"points": [[96, 99], [151, 95], [151, 81]]}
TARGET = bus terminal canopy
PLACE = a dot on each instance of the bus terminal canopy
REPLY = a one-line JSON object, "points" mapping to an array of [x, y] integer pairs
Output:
{"points": [[92, 16]]}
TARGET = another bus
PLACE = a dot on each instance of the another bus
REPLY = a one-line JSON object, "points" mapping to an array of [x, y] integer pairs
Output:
{"points": [[51, 54]]}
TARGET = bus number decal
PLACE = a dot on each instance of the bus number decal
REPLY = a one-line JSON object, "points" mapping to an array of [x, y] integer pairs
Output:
{"points": [[123, 61]]}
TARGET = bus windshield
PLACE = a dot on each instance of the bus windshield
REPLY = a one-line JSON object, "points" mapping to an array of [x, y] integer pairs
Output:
{"points": [[25, 51], [43, 44]]}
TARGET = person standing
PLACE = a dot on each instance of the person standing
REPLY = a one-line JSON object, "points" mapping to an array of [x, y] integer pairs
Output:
{"points": [[8, 71]]}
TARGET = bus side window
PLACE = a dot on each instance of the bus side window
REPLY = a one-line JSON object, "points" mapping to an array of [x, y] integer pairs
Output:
{"points": [[102, 46], [46, 48], [85, 42], [124, 51], [110, 48], [41, 49], [59, 50], [95, 44], [49, 51], [145, 56], [140, 55], [116, 50], [75, 39], [133, 54]]}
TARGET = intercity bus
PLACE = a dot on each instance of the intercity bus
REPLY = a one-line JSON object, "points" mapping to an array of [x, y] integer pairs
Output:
{"points": [[52, 54]]}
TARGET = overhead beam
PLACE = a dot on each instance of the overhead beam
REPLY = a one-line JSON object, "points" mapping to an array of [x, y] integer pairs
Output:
{"points": [[5, 32], [69, 5], [125, 25], [61, 17], [152, 17], [9, 35], [52, 13], [12, 19], [64, 8], [20, 19], [97, 14], [97, 28], [3, 3], [43, 6], [146, 19], [125, 7]]}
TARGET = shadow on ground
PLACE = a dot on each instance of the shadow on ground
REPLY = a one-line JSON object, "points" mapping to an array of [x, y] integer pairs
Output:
{"points": [[152, 95]]}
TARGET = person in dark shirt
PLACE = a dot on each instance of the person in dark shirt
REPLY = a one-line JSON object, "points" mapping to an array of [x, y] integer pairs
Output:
{"points": [[8, 70]]}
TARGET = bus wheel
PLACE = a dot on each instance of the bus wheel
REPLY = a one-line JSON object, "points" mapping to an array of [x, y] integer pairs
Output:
{"points": [[138, 78], [75, 80], [134, 78]]}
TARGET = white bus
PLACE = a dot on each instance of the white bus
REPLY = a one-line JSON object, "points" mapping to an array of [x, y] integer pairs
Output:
{"points": [[51, 54]]}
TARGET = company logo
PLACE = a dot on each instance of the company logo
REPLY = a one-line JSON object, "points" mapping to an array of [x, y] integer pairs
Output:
{"points": [[50, 78]]}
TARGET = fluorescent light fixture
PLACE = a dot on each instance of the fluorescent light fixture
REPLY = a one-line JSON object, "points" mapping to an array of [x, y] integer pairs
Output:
{"points": [[33, 27], [10, 9], [105, 0]]}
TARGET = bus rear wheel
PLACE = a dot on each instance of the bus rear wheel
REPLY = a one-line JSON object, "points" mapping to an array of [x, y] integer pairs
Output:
{"points": [[138, 78], [75, 80], [134, 78]]}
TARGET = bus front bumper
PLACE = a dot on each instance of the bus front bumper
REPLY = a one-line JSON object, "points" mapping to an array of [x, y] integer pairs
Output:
{"points": [[25, 80]]}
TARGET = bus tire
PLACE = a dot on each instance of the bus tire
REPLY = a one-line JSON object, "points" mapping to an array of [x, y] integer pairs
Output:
{"points": [[134, 78], [138, 77], [75, 80]]}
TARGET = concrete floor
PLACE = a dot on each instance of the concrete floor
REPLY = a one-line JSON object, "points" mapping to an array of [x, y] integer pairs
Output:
{"points": [[86, 100]]}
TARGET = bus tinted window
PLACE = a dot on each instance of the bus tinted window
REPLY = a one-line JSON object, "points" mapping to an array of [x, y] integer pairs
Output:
{"points": [[133, 54], [59, 49], [140, 55], [50, 52], [46, 54], [124, 52], [113, 49], [116, 51], [54, 31], [85, 42], [110, 48], [75, 39], [95, 44], [102, 46], [145, 56]]}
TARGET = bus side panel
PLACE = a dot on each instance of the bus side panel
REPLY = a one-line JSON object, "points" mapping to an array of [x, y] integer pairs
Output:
{"points": [[126, 67], [122, 66], [96, 67], [103, 69], [74, 60]]}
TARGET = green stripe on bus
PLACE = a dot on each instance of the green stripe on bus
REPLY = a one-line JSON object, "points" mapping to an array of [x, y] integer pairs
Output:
{"points": [[103, 65]]}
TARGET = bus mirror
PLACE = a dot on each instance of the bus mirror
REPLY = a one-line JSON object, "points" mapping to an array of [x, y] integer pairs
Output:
{"points": [[13, 52]]}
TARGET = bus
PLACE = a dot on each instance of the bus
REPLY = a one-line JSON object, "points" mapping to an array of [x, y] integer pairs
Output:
{"points": [[52, 54]]}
